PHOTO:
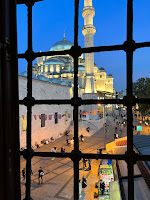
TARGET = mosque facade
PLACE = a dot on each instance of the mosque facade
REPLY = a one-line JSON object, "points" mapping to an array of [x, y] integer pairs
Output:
{"points": [[60, 69]]}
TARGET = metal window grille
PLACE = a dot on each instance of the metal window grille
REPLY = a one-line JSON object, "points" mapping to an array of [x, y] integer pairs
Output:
{"points": [[129, 46]]}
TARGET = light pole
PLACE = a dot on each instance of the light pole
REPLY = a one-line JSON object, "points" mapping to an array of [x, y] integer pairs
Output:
{"points": [[104, 124]]}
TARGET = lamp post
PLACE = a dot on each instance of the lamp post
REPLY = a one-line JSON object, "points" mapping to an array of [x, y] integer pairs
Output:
{"points": [[104, 124]]}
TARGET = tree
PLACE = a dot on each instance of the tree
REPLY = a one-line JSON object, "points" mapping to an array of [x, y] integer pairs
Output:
{"points": [[141, 89]]}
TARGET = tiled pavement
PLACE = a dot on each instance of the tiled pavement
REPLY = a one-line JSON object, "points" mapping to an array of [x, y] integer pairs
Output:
{"points": [[58, 178]]}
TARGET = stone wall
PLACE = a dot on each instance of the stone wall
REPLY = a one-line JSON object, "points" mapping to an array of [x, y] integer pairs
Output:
{"points": [[44, 90]]}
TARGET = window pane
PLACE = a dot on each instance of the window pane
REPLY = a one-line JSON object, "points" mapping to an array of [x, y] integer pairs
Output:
{"points": [[22, 126], [141, 78], [109, 22], [52, 125], [50, 24], [103, 128]]}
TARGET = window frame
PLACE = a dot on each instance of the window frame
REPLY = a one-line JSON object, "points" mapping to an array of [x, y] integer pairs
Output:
{"points": [[129, 46]]}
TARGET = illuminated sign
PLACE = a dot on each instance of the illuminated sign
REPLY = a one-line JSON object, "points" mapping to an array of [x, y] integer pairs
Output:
{"points": [[139, 128]]}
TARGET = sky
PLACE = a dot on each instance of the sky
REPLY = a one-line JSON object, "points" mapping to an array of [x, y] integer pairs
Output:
{"points": [[51, 18]]}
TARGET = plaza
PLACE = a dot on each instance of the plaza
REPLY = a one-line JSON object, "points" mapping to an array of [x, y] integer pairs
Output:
{"points": [[58, 178]]}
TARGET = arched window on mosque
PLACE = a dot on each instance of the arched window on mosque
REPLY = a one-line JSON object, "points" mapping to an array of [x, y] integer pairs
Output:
{"points": [[46, 68], [51, 68], [57, 68]]}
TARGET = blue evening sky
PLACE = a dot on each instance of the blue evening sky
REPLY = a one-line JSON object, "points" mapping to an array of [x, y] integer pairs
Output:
{"points": [[51, 18]]}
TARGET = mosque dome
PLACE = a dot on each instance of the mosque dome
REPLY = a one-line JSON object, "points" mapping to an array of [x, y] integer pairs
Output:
{"points": [[102, 69], [53, 61], [109, 76], [62, 45]]}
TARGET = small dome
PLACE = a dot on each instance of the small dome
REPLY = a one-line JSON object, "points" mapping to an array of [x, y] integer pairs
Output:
{"points": [[62, 45], [53, 61], [102, 69], [81, 68], [109, 76], [42, 78]]}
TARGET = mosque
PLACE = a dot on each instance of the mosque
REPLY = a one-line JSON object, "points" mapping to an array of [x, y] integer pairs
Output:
{"points": [[59, 69], [53, 78]]}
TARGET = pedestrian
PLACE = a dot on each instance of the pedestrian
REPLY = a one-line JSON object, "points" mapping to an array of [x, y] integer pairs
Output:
{"points": [[89, 160], [84, 163], [102, 187], [68, 141], [114, 136], [23, 174], [115, 129], [80, 188], [52, 139], [99, 170], [54, 149], [100, 151], [84, 182], [41, 174], [88, 129], [62, 150], [82, 138]]}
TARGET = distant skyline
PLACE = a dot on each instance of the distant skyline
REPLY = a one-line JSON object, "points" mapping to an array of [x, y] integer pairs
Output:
{"points": [[51, 18]]}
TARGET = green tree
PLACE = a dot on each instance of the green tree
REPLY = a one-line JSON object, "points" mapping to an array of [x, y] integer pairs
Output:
{"points": [[141, 89]]}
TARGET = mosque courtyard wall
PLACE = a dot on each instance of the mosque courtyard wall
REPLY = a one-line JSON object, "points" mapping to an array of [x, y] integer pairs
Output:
{"points": [[55, 118]]}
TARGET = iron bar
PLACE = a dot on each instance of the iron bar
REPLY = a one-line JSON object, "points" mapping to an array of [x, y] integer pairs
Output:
{"points": [[83, 102], [99, 49], [129, 57], [29, 107], [75, 110], [138, 157]]}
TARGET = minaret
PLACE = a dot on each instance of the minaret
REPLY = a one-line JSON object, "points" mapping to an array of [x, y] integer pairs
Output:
{"points": [[88, 30]]}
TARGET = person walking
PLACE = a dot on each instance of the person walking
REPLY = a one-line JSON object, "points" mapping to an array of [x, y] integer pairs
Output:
{"points": [[102, 187], [54, 149], [84, 182], [84, 163], [80, 188], [62, 150], [23, 174], [41, 174], [68, 141], [89, 160]]}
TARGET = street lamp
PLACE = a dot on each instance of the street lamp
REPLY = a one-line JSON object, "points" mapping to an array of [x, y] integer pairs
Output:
{"points": [[104, 124]]}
